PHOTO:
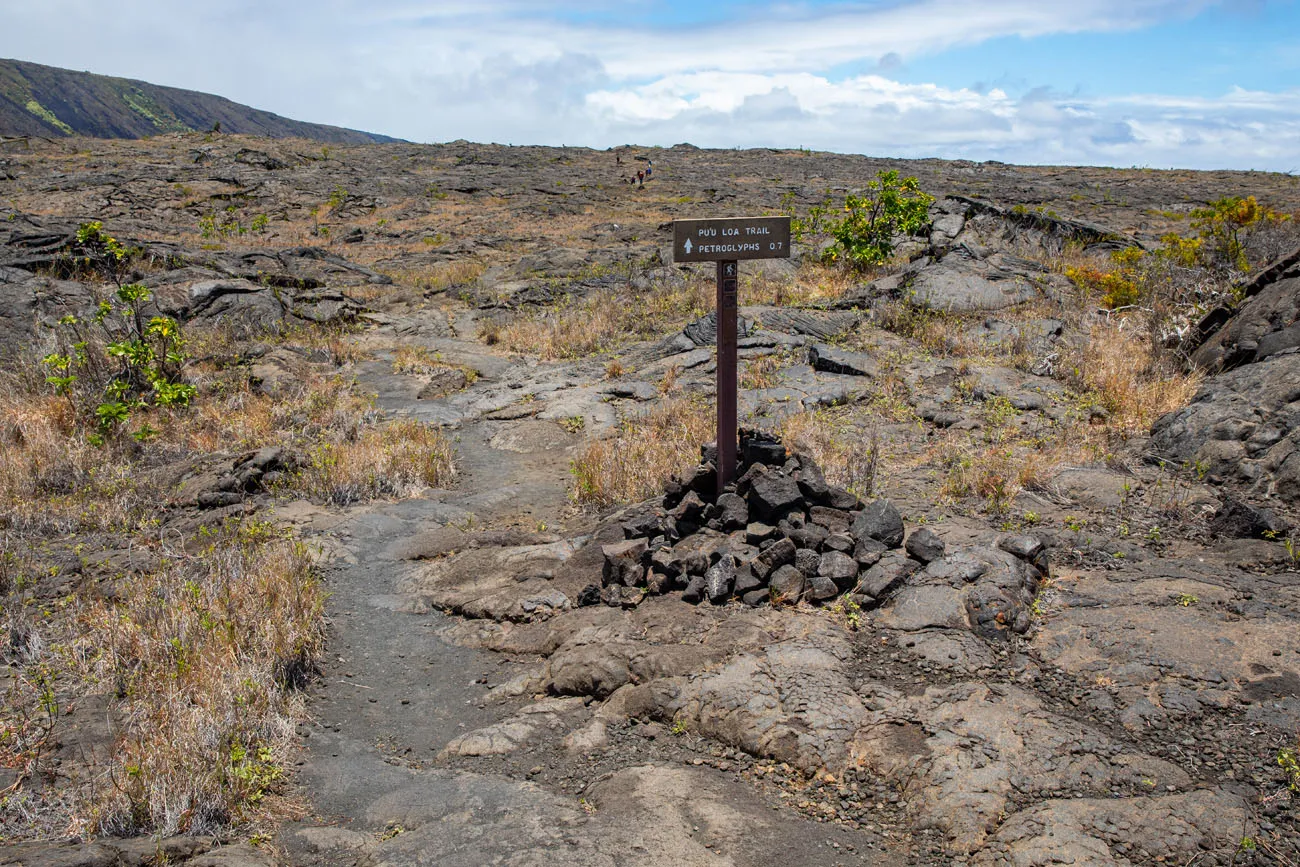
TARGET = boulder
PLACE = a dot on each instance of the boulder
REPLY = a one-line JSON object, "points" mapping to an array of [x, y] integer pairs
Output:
{"points": [[1242, 426], [887, 575], [246, 308], [925, 545], [719, 580], [1244, 521], [623, 563], [879, 521], [830, 359], [807, 561], [821, 589], [839, 567], [704, 331], [769, 561], [962, 282], [771, 495], [1267, 324], [787, 585], [733, 512]]}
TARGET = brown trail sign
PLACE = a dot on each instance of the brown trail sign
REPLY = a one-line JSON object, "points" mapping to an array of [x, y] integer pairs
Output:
{"points": [[726, 241]]}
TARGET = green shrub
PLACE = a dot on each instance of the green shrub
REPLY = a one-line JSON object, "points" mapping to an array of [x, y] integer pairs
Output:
{"points": [[1225, 227], [891, 206], [118, 362], [864, 235]]}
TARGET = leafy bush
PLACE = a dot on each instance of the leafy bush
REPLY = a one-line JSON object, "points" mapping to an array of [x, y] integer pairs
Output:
{"points": [[1226, 228], [118, 362], [864, 235]]}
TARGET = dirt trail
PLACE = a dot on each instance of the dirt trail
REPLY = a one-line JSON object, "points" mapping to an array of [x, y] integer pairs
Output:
{"points": [[395, 690]]}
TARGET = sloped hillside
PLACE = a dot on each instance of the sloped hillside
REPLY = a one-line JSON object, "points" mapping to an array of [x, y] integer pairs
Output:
{"points": [[53, 102]]}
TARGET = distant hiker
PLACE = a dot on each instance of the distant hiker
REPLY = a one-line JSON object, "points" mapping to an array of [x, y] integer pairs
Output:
{"points": [[640, 178], [618, 159], [649, 167]]}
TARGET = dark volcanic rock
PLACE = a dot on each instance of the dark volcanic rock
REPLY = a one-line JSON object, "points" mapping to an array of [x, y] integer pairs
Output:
{"points": [[720, 580], [839, 567], [623, 563], [925, 545], [733, 512], [780, 554], [833, 360], [962, 282], [1266, 324], [879, 521], [772, 495], [757, 447], [821, 588], [704, 331], [834, 520], [887, 575], [1243, 426], [1244, 521], [787, 585], [806, 561]]}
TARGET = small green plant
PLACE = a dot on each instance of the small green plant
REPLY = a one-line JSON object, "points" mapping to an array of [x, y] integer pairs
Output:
{"points": [[678, 727], [1292, 552], [847, 612], [117, 363], [574, 424], [259, 224], [253, 773], [1186, 599], [338, 197], [1288, 759], [98, 254], [891, 205], [225, 224]]}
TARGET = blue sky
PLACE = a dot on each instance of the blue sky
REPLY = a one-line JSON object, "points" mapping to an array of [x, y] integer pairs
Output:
{"points": [[1186, 83]]}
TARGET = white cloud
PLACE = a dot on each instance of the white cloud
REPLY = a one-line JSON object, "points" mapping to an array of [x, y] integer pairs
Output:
{"points": [[510, 70]]}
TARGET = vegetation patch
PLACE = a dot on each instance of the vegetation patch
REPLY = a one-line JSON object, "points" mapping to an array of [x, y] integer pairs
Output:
{"points": [[644, 452], [863, 227], [398, 459], [577, 327], [48, 116]]}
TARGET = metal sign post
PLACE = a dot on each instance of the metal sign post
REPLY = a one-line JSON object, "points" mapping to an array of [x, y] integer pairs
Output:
{"points": [[728, 281], [726, 242]]}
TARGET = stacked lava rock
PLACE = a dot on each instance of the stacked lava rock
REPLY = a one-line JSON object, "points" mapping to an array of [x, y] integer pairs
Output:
{"points": [[780, 533]]}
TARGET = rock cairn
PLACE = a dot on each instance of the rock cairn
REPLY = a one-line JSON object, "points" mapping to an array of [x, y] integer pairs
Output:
{"points": [[780, 534]]}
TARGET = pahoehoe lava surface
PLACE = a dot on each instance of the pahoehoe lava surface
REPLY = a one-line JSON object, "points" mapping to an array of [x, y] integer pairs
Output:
{"points": [[1064, 691]]}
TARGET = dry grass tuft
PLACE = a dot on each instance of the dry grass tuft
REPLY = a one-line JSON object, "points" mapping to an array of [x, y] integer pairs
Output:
{"points": [[814, 284], [579, 327], [452, 275], [199, 648], [1132, 379], [764, 371], [417, 360], [847, 450], [639, 458], [399, 459], [205, 656]]}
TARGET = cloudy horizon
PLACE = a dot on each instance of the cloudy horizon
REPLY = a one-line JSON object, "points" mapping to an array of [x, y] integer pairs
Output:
{"points": [[1193, 84]]}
